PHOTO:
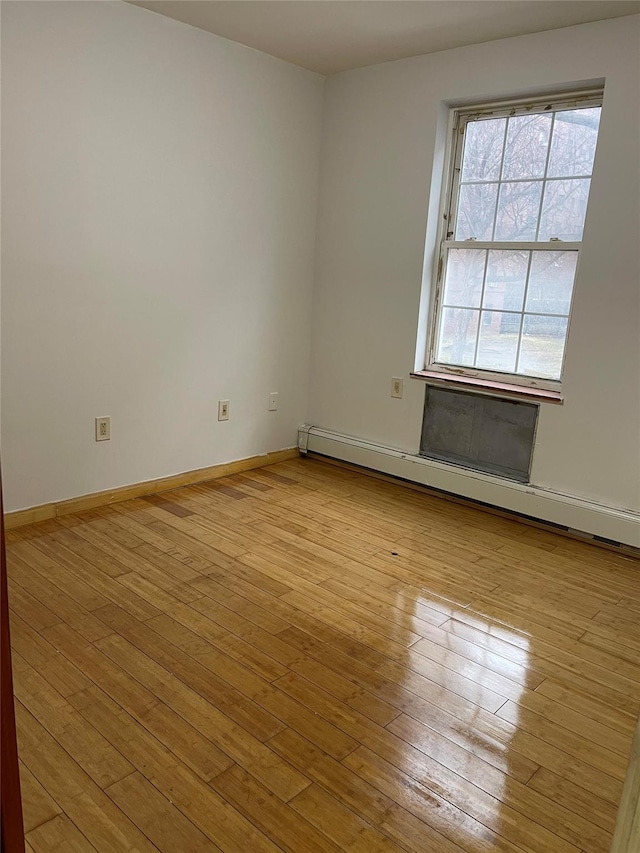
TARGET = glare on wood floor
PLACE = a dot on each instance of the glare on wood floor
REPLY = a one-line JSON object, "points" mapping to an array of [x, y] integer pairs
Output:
{"points": [[302, 658]]}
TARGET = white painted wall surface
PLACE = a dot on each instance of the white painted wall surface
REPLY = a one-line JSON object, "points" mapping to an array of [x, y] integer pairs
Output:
{"points": [[159, 197], [380, 138]]}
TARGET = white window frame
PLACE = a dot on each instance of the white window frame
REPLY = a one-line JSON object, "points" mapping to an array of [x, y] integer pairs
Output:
{"points": [[459, 119]]}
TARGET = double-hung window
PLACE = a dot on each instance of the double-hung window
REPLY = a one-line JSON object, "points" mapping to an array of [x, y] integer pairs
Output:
{"points": [[514, 212]]}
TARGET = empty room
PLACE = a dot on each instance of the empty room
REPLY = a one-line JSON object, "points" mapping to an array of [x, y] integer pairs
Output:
{"points": [[320, 425]]}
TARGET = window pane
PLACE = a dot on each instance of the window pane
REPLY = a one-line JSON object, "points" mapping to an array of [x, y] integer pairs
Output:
{"points": [[476, 211], [551, 282], [542, 346], [573, 145], [525, 154], [458, 332], [518, 209], [463, 281], [563, 209], [498, 341], [523, 179], [483, 149], [506, 276]]}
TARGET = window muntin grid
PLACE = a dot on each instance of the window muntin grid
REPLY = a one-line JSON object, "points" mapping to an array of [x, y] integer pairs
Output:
{"points": [[520, 187]]}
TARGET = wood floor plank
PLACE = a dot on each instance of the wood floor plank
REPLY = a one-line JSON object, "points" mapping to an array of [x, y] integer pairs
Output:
{"points": [[573, 769], [236, 741], [582, 701], [65, 608], [386, 620], [218, 820], [64, 676], [362, 701], [147, 589], [157, 817], [29, 644], [579, 746], [144, 576], [72, 553], [362, 798], [231, 634], [418, 799], [73, 539], [37, 805], [36, 614], [106, 825], [552, 580], [102, 522], [465, 724], [283, 825], [335, 820], [83, 802], [184, 530], [438, 827], [616, 649], [192, 539], [277, 563], [384, 602], [188, 743], [578, 723], [576, 799], [422, 683], [202, 681], [59, 835], [101, 670], [63, 577], [95, 755], [302, 658], [267, 697], [523, 813], [549, 659], [488, 739], [450, 581], [454, 652], [51, 765], [542, 618], [124, 517], [622, 568], [236, 603], [234, 569], [18, 663], [173, 568]]}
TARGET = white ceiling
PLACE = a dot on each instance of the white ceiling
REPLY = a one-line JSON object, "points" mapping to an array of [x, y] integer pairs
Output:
{"points": [[330, 36]]}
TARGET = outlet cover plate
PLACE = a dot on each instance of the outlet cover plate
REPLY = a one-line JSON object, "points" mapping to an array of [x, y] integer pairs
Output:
{"points": [[103, 428]]}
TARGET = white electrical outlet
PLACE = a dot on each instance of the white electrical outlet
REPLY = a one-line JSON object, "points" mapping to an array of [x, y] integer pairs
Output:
{"points": [[397, 387], [103, 429], [273, 401], [223, 410]]}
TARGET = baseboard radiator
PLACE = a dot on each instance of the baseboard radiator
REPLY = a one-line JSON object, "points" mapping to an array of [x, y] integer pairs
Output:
{"points": [[615, 526]]}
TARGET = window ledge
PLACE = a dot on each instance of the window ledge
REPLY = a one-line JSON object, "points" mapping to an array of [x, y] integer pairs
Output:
{"points": [[487, 386]]}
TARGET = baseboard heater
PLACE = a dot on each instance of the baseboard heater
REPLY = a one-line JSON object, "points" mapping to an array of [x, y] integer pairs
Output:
{"points": [[579, 516]]}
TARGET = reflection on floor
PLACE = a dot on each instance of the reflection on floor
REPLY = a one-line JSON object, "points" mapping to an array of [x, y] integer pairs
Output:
{"points": [[306, 659]]}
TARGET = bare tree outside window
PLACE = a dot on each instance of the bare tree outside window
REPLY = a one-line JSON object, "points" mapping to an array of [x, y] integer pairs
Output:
{"points": [[520, 190]]}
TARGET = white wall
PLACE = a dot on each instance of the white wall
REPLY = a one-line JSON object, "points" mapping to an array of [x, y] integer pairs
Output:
{"points": [[159, 196], [159, 215], [380, 137]]}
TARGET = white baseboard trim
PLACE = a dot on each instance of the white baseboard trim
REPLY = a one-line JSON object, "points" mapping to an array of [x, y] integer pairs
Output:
{"points": [[576, 514]]}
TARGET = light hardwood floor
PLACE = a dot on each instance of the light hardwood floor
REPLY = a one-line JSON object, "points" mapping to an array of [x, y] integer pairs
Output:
{"points": [[306, 659]]}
